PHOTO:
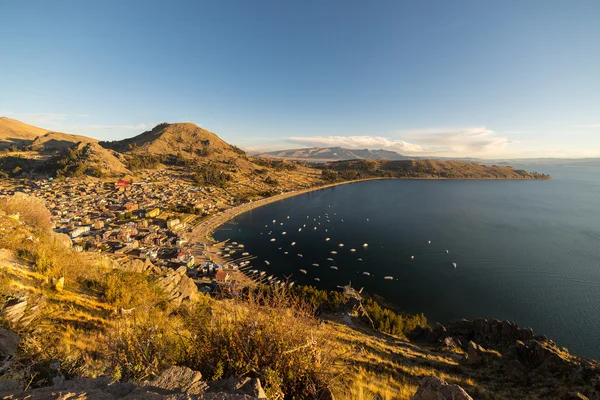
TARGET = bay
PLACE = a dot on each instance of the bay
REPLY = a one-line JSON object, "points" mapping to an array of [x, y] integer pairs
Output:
{"points": [[526, 251]]}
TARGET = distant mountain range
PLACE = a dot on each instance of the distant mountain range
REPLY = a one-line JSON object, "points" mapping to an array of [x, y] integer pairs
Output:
{"points": [[323, 154]]}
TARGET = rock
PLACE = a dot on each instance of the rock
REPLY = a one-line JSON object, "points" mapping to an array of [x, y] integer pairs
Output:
{"points": [[14, 309], [63, 240], [180, 379], [517, 372], [434, 388], [419, 333], [477, 354], [59, 285], [9, 385], [248, 386], [9, 344], [437, 333], [450, 342], [542, 355]]}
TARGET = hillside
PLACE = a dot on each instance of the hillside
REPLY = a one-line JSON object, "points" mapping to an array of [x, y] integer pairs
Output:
{"points": [[185, 139], [56, 141], [79, 325], [323, 154], [421, 169], [87, 159], [13, 132]]}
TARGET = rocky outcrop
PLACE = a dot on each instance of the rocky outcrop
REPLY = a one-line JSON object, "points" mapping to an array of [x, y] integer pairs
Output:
{"points": [[9, 345], [173, 384], [434, 388], [478, 355], [21, 311], [177, 286]]}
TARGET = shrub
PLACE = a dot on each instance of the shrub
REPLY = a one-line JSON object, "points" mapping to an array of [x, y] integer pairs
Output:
{"points": [[32, 210], [387, 321], [131, 289]]}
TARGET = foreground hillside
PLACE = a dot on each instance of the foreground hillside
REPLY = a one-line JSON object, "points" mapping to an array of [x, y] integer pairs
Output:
{"points": [[68, 314]]}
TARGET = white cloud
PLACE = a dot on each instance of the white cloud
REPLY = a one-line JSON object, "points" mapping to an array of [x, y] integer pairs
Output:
{"points": [[466, 141], [358, 142], [37, 119]]}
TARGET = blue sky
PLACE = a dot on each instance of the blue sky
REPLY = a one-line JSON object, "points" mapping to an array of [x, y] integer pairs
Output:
{"points": [[451, 78]]}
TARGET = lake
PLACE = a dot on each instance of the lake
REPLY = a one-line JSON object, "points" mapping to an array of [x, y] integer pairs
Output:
{"points": [[526, 251]]}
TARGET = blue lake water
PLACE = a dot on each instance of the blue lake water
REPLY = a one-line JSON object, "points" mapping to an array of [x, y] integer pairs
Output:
{"points": [[527, 251]]}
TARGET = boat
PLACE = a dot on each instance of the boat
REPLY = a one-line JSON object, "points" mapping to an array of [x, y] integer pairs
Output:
{"points": [[304, 271], [367, 219], [299, 229], [315, 228], [330, 259], [293, 243], [366, 274], [245, 254], [270, 277], [300, 255], [288, 217], [429, 241], [262, 273], [285, 252], [274, 221], [268, 263], [234, 243], [273, 239], [315, 265], [334, 252], [241, 246], [334, 267], [353, 250], [389, 278], [454, 265], [341, 245], [291, 284], [360, 259], [266, 226], [317, 279], [366, 245], [447, 252], [327, 239], [284, 233], [281, 223], [304, 226]]}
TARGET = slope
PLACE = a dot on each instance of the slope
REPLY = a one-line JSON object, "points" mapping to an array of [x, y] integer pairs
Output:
{"points": [[13, 132], [321, 154]]}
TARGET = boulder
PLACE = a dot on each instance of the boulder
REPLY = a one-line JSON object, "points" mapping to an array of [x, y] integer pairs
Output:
{"points": [[180, 379], [437, 333], [477, 354], [244, 386], [517, 372], [9, 344], [419, 333], [434, 388], [14, 309], [9, 385]]}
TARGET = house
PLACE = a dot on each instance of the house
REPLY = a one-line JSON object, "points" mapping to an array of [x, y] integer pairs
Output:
{"points": [[122, 183], [155, 212], [221, 276]]}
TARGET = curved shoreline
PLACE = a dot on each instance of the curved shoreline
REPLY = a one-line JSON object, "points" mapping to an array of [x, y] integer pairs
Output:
{"points": [[206, 228]]}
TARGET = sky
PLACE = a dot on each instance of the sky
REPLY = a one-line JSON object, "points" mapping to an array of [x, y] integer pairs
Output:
{"points": [[476, 78]]}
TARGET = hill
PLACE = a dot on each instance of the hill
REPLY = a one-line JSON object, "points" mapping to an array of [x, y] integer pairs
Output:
{"points": [[87, 159], [421, 169], [56, 141], [13, 132], [185, 139], [323, 154]]}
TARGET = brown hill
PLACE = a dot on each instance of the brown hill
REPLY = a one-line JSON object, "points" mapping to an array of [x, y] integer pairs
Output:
{"points": [[184, 139], [323, 154], [56, 141], [13, 132], [88, 159]]}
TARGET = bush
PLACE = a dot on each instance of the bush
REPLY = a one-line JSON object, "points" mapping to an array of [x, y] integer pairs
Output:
{"points": [[387, 321], [131, 289], [32, 210]]}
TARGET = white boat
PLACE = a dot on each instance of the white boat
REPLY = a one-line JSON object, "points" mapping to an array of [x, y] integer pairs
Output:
{"points": [[334, 267], [270, 277], [447, 252], [366, 273], [330, 259], [288, 217], [454, 265], [299, 229], [389, 278], [327, 239], [334, 252], [241, 246], [315, 228], [353, 250], [273, 239], [285, 252], [281, 223], [266, 226], [317, 279], [262, 273], [341, 245], [412, 257], [304, 271], [367, 219], [245, 254], [293, 243], [284, 233], [268, 263], [274, 221], [315, 265], [304, 226], [360, 259], [300, 255], [429, 241], [234, 243], [366, 245]]}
